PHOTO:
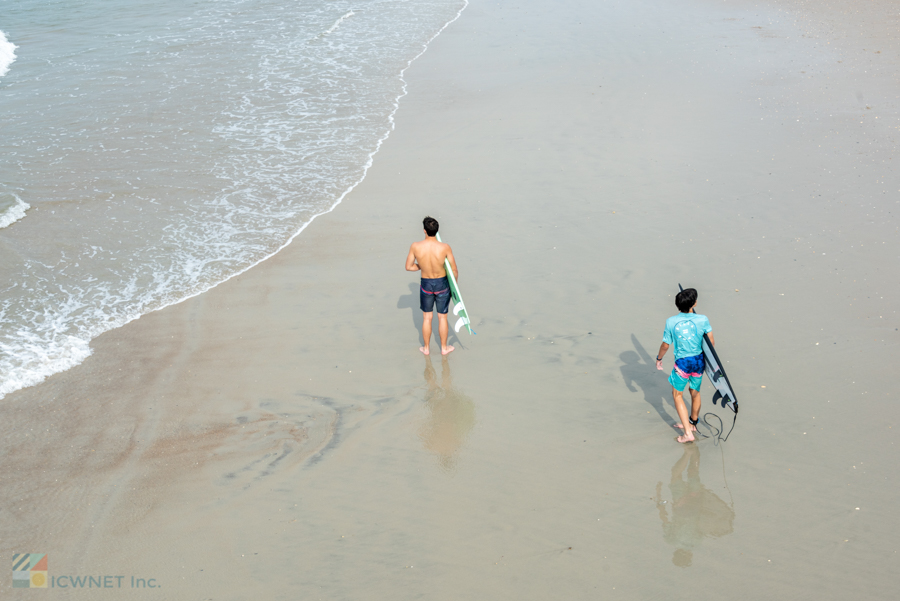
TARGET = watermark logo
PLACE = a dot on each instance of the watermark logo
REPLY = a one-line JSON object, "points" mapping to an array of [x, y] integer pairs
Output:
{"points": [[30, 570]]}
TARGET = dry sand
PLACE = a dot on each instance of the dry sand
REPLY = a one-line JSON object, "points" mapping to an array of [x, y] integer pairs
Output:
{"points": [[281, 437]]}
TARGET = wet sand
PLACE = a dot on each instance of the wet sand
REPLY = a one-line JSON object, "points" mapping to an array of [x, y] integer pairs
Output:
{"points": [[282, 435]]}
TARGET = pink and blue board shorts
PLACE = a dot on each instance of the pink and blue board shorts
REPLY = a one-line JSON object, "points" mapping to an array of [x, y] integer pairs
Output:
{"points": [[434, 293], [687, 370]]}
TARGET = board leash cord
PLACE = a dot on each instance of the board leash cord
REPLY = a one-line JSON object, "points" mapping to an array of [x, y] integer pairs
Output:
{"points": [[717, 432]]}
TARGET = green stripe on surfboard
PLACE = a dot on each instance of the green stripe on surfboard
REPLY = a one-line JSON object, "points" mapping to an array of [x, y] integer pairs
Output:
{"points": [[459, 307]]}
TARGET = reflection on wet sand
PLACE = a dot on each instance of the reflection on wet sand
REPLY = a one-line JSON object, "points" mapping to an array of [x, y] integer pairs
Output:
{"points": [[451, 415], [696, 512]]}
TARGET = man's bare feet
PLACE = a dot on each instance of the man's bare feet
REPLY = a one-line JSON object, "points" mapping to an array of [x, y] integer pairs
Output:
{"points": [[693, 427], [688, 437], [448, 350], [424, 350]]}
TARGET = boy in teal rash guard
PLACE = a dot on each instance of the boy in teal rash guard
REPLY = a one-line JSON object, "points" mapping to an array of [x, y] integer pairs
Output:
{"points": [[686, 331]]}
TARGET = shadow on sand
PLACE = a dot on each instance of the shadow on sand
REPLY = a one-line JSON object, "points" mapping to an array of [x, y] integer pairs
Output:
{"points": [[640, 368], [694, 513]]}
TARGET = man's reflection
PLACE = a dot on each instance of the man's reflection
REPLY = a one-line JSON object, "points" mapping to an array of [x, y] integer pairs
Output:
{"points": [[696, 512], [451, 415]]}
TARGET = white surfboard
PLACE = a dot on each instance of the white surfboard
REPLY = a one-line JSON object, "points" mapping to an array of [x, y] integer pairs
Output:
{"points": [[459, 307]]}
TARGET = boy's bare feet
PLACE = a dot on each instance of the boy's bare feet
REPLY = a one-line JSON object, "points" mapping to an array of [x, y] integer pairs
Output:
{"points": [[693, 427], [446, 351], [424, 350], [688, 437]]}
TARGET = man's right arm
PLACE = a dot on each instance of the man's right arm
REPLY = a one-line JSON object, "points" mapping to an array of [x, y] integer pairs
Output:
{"points": [[663, 348], [411, 261]]}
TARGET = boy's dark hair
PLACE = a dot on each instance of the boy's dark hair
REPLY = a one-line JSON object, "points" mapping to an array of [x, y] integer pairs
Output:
{"points": [[431, 226], [685, 299]]}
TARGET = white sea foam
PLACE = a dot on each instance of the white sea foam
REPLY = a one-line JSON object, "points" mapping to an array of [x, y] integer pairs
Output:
{"points": [[14, 212], [338, 22], [7, 54], [33, 359], [142, 228]]}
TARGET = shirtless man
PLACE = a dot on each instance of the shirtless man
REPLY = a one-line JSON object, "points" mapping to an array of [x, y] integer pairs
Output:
{"points": [[428, 257]]}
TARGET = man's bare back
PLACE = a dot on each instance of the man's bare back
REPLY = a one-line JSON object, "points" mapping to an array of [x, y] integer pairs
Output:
{"points": [[428, 257]]}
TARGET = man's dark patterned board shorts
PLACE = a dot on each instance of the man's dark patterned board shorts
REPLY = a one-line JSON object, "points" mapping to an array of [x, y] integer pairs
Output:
{"points": [[434, 290]]}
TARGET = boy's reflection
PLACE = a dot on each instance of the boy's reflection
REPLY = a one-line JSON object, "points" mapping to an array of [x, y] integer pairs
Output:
{"points": [[696, 511], [451, 415]]}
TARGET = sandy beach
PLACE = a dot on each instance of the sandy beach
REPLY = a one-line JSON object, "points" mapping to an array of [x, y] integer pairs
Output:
{"points": [[280, 436]]}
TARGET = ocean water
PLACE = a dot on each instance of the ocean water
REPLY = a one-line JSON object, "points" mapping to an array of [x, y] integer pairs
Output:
{"points": [[7, 54], [151, 150]]}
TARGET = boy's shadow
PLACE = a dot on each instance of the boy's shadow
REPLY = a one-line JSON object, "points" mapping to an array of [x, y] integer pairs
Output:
{"points": [[640, 368], [411, 301]]}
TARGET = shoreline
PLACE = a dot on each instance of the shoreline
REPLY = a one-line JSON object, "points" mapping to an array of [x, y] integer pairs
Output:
{"points": [[71, 362], [282, 429]]}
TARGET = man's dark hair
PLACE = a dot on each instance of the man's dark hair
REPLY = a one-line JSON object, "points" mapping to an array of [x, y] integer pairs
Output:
{"points": [[431, 226], [686, 299]]}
